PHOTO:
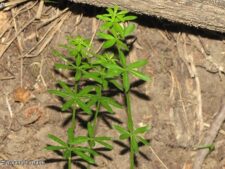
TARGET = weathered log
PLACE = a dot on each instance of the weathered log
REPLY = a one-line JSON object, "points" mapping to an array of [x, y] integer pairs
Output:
{"points": [[207, 14]]}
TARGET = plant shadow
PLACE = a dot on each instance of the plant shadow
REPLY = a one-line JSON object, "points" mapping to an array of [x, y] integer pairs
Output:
{"points": [[126, 149]]}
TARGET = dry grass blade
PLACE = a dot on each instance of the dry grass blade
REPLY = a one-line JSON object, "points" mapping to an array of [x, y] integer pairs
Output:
{"points": [[48, 40], [10, 42], [11, 4]]}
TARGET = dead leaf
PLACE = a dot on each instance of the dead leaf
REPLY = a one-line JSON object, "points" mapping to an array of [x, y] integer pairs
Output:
{"points": [[21, 95]]}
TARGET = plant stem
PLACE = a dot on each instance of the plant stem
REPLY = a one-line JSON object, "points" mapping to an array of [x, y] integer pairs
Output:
{"points": [[69, 163], [73, 126], [129, 113], [95, 120], [130, 126], [96, 113]]}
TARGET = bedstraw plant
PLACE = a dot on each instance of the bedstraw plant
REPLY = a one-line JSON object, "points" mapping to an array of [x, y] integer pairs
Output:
{"points": [[94, 74]]}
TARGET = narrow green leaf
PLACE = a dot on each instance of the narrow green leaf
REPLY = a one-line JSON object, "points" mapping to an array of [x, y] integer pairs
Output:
{"points": [[114, 66], [134, 144], [106, 145], [144, 141], [58, 93], [106, 105], [78, 60], [54, 148], [83, 106], [103, 18], [105, 36], [93, 76], [84, 156], [142, 130], [137, 64], [79, 140], [87, 149], [106, 25], [65, 87], [60, 55], [78, 75], [63, 66], [108, 43], [129, 30], [114, 103], [121, 130], [129, 18], [126, 81], [140, 75], [68, 104], [122, 57], [121, 45], [56, 139], [124, 136], [85, 90], [91, 131], [102, 138], [118, 28], [117, 85]]}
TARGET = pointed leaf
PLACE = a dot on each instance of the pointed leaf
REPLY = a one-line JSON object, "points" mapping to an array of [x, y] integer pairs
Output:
{"points": [[105, 36], [86, 90], [68, 104], [102, 138], [56, 139], [83, 106], [129, 30], [108, 43], [121, 130], [144, 141], [87, 149], [65, 87], [124, 136], [79, 140], [134, 144], [54, 148], [114, 103], [140, 75], [137, 64], [84, 156], [91, 131], [129, 18], [126, 81], [58, 93], [106, 105], [63, 66], [117, 85], [106, 145], [78, 75], [142, 130]]}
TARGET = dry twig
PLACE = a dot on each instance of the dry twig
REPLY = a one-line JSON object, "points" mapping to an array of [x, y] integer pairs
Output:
{"points": [[212, 132]]}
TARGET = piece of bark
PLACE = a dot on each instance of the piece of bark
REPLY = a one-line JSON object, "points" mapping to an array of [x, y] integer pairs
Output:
{"points": [[207, 14]]}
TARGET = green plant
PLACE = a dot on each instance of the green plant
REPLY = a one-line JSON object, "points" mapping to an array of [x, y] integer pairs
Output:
{"points": [[94, 74]]}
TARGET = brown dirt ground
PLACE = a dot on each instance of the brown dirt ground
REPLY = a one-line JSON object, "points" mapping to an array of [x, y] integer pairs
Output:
{"points": [[187, 70]]}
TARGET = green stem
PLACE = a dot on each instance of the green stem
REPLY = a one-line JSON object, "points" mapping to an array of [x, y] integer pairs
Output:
{"points": [[130, 126], [95, 121], [96, 116], [73, 126], [129, 113], [69, 163]]}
